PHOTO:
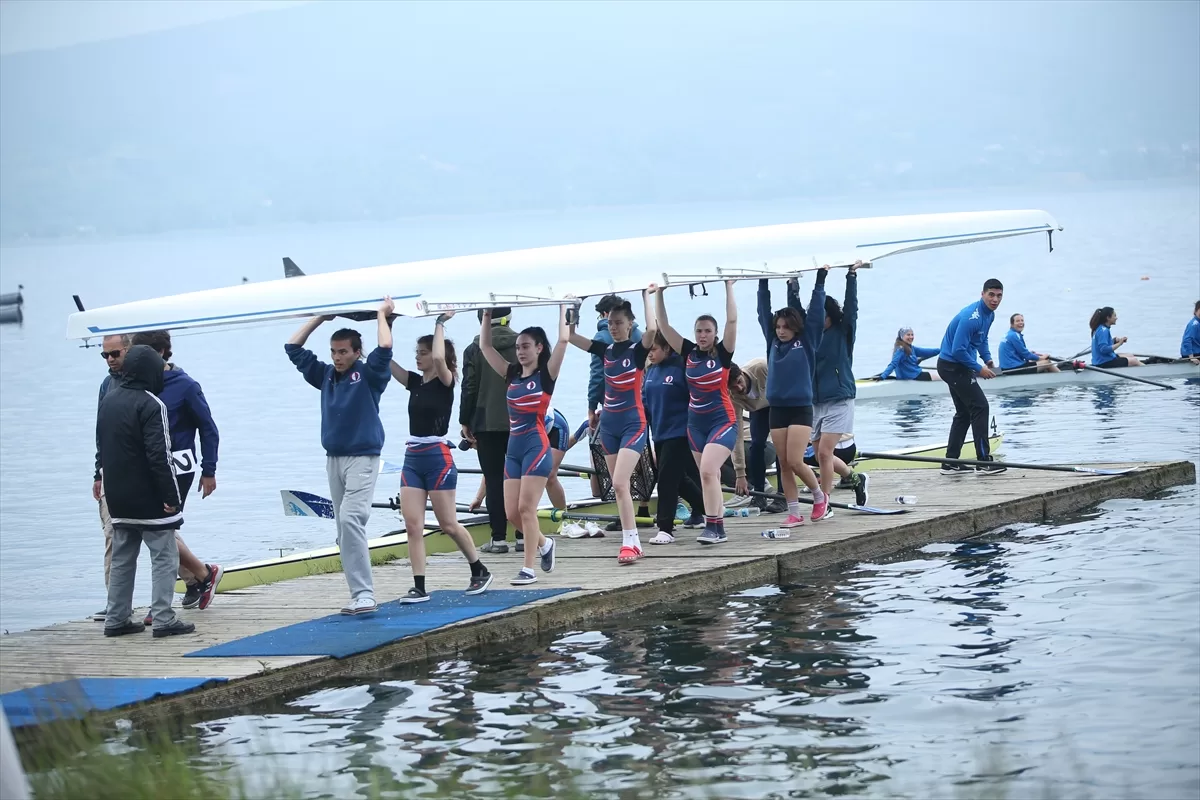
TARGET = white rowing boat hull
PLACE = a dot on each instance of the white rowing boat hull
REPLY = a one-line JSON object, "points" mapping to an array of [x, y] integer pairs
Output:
{"points": [[896, 389], [547, 274]]}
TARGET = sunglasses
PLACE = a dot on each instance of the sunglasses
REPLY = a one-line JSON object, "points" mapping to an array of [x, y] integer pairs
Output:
{"points": [[107, 354]]}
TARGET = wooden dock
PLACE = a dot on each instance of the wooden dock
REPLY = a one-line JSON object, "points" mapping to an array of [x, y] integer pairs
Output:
{"points": [[949, 509]]}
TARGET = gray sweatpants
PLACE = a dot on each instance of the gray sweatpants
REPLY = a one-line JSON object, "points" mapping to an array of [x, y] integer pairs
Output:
{"points": [[352, 489], [164, 562]]}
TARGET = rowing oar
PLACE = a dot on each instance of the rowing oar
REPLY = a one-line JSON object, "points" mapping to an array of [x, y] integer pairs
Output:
{"points": [[1123, 375], [847, 506], [305, 504], [966, 462], [566, 471], [561, 473], [558, 515]]}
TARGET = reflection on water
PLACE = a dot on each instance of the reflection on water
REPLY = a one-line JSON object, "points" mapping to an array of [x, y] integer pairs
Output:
{"points": [[1057, 659]]}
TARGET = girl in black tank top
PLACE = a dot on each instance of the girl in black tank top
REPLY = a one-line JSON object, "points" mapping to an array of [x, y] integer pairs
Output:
{"points": [[429, 473]]}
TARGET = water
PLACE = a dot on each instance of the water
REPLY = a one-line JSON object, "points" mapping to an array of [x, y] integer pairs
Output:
{"points": [[1056, 658]]}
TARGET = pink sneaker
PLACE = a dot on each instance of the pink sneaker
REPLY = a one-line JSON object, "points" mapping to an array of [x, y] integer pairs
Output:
{"points": [[820, 510], [792, 521]]}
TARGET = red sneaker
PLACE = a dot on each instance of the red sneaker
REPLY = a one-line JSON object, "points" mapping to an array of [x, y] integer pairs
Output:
{"points": [[820, 510]]}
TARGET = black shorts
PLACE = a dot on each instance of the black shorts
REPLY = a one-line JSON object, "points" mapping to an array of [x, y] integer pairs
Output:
{"points": [[1119, 361], [924, 376], [787, 416]]}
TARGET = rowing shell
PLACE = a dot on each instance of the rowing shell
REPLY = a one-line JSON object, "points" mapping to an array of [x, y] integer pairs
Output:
{"points": [[547, 275], [868, 390]]}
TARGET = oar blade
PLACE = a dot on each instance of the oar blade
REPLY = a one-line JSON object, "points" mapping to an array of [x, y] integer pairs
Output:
{"points": [[1090, 471], [304, 504]]}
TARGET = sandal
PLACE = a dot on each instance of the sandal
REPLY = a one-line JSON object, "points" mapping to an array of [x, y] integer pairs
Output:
{"points": [[628, 555], [662, 537]]}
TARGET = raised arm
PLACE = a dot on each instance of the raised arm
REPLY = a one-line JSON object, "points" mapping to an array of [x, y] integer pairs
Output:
{"points": [[765, 314], [850, 306], [670, 334], [729, 337], [490, 353], [399, 373], [438, 352], [305, 330], [560, 347], [386, 309], [814, 319], [651, 321], [578, 339]]}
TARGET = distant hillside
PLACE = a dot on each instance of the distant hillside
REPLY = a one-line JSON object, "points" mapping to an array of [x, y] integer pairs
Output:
{"points": [[339, 111]]}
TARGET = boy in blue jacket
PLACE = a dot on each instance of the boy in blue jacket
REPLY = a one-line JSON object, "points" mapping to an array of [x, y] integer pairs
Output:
{"points": [[352, 435]]}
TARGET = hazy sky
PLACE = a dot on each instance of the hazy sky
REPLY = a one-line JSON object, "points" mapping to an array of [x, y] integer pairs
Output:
{"points": [[41, 24]]}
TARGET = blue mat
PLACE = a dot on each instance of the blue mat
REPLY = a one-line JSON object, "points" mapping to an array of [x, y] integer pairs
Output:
{"points": [[75, 698], [340, 636]]}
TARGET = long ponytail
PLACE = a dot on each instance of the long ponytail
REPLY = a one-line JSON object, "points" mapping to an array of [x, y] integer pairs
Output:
{"points": [[1100, 317]]}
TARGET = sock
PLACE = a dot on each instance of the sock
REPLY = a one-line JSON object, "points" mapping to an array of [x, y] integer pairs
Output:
{"points": [[631, 538], [818, 495], [419, 582], [712, 522], [477, 568], [721, 526], [794, 508], [545, 548]]}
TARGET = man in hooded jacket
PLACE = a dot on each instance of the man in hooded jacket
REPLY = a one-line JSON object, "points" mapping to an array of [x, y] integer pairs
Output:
{"points": [[134, 447]]}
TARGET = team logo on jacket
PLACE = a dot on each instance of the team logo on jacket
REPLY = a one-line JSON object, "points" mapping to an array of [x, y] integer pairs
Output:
{"points": [[355, 376], [625, 363], [710, 364], [669, 379], [531, 386]]}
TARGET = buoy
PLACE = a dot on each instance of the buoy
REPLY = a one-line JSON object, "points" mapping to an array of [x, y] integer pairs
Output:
{"points": [[1145, 277]]}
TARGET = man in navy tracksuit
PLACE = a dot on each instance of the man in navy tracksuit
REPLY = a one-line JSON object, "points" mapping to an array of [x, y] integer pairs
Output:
{"points": [[352, 435], [965, 342], [189, 414]]}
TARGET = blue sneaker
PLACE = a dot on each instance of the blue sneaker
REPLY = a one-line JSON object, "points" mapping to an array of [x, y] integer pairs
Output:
{"points": [[548, 556], [694, 521], [710, 536]]}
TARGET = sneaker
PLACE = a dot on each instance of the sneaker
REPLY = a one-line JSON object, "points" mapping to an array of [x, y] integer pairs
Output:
{"points": [[593, 530], [523, 577], [613, 526], [209, 588], [548, 556], [956, 469], [861, 481], [191, 598], [694, 521], [710, 536], [414, 595], [121, 630], [847, 481], [176, 628], [993, 468], [682, 511], [495, 546], [360, 605], [820, 510], [759, 502], [792, 521], [479, 583], [776, 505], [100, 615], [573, 530], [149, 620], [520, 548], [738, 501]]}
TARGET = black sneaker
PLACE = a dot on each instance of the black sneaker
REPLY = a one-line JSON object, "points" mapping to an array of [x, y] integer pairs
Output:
{"points": [[759, 502], [613, 526], [776, 505], [479, 583], [414, 595], [695, 521], [191, 597], [861, 496], [495, 546], [992, 468], [956, 469], [176, 628], [121, 630]]}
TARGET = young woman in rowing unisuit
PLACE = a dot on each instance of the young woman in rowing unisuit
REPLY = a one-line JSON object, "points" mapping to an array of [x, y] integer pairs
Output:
{"points": [[712, 420], [1104, 347], [793, 337], [527, 462], [429, 473], [623, 431]]}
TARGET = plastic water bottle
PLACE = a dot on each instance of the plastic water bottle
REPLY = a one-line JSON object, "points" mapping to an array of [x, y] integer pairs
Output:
{"points": [[776, 533], [745, 511], [907, 499]]}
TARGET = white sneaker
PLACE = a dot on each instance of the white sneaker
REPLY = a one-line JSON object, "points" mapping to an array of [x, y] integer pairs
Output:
{"points": [[573, 530], [737, 501], [593, 530], [364, 604]]}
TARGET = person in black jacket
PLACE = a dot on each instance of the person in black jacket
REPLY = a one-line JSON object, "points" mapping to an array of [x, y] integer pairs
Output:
{"points": [[133, 442]]}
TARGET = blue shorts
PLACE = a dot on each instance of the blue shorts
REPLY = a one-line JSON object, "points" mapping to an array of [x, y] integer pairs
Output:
{"points": [[560, 434], [528, 455], [622, 430], [706, 429], [429, 466]]}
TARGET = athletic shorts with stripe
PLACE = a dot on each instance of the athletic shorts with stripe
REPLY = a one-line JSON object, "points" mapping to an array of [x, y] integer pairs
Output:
{"points": [[622, 430], [709, 429], [528, 455], [429, 466], [560, 432]]}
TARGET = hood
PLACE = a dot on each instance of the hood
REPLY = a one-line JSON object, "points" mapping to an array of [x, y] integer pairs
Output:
{"points": [[143, 369], [175, 375], [601, 325], [503, 337]]}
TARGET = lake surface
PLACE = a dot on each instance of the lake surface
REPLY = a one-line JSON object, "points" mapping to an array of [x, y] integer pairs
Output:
{"points": [[1058, 660]]}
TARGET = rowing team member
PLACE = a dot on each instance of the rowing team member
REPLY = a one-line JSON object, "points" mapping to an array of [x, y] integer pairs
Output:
{"points": [[1015, 355], [907, 358], [1190, 347], [1104, 347], [561, 440]]}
